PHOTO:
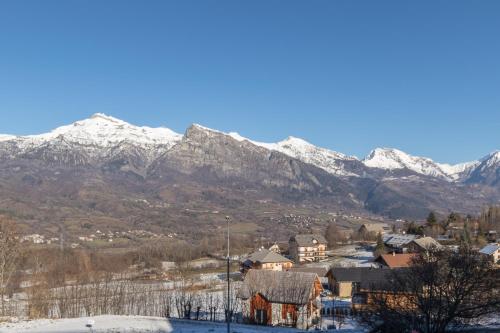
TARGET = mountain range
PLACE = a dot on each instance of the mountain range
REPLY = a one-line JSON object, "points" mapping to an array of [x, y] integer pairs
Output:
{"points": [[95, 165]]}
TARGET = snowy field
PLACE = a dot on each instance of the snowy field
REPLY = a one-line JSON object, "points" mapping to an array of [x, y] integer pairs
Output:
{"points": [[136, 324], [347, 256]]}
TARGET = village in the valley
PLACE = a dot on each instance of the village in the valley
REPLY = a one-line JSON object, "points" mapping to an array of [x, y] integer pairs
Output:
{"points": [[321, 280]]}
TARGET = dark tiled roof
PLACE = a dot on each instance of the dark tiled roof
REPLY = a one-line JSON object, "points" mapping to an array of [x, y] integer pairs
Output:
{"points": [[278, 287], [308, 239], [367, 277]]}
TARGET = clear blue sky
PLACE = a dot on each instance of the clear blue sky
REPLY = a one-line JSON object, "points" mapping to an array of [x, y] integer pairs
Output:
{"points": [[422, 76]]}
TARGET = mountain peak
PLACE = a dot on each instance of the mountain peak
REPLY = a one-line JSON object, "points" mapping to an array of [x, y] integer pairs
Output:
{"points": [[292, 140], [105, 117], [102, 130], [491, 159], [387, 158]]}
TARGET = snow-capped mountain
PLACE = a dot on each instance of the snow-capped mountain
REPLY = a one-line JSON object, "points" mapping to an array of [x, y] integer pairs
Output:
{"points": [[328, 160], [487, 171], [91, 139], [102, 135], [391, 159], [104, 158], [103, 131]]}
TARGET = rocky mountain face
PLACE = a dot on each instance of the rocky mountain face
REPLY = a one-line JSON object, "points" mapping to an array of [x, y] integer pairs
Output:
{"points": [[103, 168], [486, 171]]}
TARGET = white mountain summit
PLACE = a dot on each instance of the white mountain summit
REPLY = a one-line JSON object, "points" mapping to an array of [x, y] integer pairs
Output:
{"points": [[102, 131]]}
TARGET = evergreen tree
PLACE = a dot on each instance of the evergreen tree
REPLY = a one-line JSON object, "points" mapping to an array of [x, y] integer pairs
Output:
{"points": [[465, 238], [413, 229], [380, 247], [431, 219]]}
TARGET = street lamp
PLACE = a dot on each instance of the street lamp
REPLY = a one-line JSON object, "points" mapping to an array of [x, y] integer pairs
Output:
{"points": [[228, 314]]}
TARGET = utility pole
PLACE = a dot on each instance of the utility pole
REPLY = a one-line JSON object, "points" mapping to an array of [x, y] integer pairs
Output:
{"points": [[228, 314]]}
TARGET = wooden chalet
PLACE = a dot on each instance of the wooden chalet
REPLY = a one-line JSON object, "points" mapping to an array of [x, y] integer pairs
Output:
{"points": [[281, 298]]}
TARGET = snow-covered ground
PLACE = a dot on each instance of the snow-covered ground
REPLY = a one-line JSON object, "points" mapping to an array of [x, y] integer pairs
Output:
{"points": [[347, 256], [137, 324]]}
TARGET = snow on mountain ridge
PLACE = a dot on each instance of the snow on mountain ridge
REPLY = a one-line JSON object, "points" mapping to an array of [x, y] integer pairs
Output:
{"points": [[103, 131], [391, 158], [328, 160], [6, 137]]}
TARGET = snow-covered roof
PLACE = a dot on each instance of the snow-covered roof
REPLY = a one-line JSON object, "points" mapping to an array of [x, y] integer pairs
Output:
{"points": [[397, 240], [427, 243], [490, 249]]}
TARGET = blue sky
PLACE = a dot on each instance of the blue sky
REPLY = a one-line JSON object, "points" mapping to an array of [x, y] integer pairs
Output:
{"points": [[421, 76]]}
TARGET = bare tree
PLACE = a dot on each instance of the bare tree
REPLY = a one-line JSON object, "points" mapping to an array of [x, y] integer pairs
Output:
{"points": [[441, 289], [9, 255], [334, 236]]}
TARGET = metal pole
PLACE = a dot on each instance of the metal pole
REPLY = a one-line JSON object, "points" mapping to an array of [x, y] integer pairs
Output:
{"points": [[333, 313], [228, 315]]}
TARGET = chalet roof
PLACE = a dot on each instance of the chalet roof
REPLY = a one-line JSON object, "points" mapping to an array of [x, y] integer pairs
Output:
{"points": [[264, 256], [367, 277], [397, 240], [320, 271], [396, 260], [278, 287], [490, 249], [308, 239], [427, 243], [376, 227]]}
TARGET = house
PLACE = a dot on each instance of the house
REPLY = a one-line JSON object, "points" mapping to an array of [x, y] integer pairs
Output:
{"points": [[398, 242], [491, 236], [281, 298], [307, 247], [395, 260], [423, 244], [368, 296], [492, 251], [364, 285], [266, 259], [373, 229], [347, 281]]}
